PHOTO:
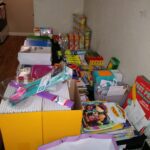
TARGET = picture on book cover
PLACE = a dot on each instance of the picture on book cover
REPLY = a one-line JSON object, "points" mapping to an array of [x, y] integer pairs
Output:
{"points": [[101, 116]]}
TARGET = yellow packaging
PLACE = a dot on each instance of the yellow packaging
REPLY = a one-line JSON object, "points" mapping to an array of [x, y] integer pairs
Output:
{"points": [[21, 131]]}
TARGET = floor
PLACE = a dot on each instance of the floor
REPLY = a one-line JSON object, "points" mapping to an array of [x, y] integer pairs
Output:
{"points": [[8, 61], [8, 56]]}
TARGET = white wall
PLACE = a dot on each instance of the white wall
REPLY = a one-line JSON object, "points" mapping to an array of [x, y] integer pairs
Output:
{"points": [[56, 13], [121, 28]]}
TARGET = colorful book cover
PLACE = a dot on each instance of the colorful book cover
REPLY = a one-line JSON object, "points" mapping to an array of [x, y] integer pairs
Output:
{"points": [[99, 117]]}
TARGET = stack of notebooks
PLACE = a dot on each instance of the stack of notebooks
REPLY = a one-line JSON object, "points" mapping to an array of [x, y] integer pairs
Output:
{"points": [[106, 117], [36, 50]]}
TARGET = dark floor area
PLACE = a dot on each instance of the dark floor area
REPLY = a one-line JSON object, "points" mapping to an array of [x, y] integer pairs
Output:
{"points": [[8, 61], [8, 56]]}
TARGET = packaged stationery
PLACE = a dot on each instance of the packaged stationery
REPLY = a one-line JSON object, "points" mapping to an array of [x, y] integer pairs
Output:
{"points": [[137, 105]]}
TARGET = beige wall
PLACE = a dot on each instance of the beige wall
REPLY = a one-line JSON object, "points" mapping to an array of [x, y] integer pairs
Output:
{"points": [[56, 13], [121, 28], [20, 15]]}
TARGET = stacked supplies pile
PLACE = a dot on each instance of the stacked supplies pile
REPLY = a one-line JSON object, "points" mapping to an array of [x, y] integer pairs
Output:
{"points": [[105, 85], [82, 31], [83, 76], [95, 82], [44, 93], [36, 50], [48, 103], [106, 117], [35, 70], [80, 36]]}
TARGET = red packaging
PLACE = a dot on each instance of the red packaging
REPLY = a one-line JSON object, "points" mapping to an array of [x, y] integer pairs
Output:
{"points": [[142, 101]]}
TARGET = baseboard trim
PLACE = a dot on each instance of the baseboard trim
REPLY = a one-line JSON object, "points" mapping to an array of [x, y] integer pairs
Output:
{"points": [[20, 33]]}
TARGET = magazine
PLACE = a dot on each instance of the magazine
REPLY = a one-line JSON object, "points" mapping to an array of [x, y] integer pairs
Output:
{"points": [[102, 116]]}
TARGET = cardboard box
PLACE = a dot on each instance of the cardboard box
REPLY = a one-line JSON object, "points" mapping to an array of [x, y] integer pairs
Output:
{"points": [[27, 131], [32, 55]]}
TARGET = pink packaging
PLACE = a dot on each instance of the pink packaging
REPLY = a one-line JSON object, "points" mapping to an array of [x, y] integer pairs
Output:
{"points": [[39, 71]]}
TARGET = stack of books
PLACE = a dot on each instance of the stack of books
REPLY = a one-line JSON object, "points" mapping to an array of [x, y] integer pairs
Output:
{"points": [[106, 117]]}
